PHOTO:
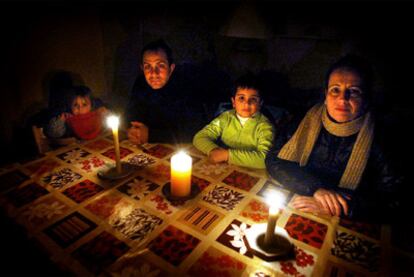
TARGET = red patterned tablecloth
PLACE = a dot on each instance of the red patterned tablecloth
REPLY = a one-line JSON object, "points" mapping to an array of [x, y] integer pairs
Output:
{"points": [[127, 227]]}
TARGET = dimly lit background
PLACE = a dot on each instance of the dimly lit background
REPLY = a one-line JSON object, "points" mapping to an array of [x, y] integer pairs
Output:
{"points": [[290, 44]]}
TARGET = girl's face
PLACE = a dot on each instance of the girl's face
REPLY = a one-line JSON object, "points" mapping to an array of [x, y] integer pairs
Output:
{"points": [[81, 105], [344, 96], [246, 102]]}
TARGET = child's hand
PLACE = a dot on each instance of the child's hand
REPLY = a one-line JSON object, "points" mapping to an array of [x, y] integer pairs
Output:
{"points": [[65, 116], [218, 155]]}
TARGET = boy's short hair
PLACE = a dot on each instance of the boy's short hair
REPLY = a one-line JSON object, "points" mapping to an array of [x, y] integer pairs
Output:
{"points": [[247, 81], [157, 45]]}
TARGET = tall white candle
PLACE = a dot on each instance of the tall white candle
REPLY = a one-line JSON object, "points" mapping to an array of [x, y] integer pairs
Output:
{"points": [[181, 164], [275, 200], [113, 123]]}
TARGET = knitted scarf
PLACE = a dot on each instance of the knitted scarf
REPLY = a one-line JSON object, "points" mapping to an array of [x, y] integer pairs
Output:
{"points": [[299, 147]]}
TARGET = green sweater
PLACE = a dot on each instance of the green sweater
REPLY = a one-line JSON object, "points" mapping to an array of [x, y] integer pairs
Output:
{"points": [[247, 144]]}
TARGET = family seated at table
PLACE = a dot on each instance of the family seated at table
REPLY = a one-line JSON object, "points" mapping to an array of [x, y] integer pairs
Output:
{"points": [[332, 159]]}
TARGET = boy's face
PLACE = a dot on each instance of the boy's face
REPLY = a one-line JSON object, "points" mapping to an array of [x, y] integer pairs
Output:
{"points": [[81, 105], [157, 70], [246, 102]]}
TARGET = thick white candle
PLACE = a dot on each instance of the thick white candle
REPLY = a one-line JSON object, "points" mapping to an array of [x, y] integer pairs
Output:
{"points": [[113, 123], [275, 200], [181, 174]]}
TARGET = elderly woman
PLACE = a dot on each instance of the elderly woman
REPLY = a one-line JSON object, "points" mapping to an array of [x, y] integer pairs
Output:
{"points": [[332, 159]]}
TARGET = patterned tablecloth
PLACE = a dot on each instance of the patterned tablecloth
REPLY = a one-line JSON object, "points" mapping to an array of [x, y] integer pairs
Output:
{"points": [[128, 228]]}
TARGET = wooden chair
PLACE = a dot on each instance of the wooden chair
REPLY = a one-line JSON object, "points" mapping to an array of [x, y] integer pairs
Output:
{"points": [[45, 144]]}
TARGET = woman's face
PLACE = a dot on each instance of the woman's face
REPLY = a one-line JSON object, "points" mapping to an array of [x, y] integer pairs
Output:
{"points": [[344, 96]]}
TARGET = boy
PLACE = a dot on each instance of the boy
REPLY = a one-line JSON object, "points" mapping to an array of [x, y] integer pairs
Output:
{"points": [[245, 133]]}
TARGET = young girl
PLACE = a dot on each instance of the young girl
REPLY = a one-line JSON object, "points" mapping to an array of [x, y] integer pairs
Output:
{"points": [[245, 133], [82, 119]]}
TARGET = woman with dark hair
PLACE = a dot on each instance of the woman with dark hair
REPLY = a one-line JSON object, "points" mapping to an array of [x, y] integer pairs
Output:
{"points": [[333, 159]]}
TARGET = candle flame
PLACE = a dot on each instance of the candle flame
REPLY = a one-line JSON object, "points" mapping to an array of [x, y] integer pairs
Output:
{"points": [[275, 199], [112, 121]]}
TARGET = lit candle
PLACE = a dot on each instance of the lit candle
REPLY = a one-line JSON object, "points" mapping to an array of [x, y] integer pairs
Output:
{"points": [[274, 200], [181, 174], [113, 123]]}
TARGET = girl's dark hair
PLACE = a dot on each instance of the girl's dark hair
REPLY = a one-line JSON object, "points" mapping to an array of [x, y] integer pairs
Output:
{"points": [[156, 46], [249, 81], [358, 65]]}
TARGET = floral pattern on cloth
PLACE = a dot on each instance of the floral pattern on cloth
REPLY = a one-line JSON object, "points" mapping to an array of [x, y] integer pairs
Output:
{"points": [[200, 182], [357, 250], [141, 160], [23, 195], [368, 229], [159, 151], [109, 205], [82, 191], [12, 179], [269, 186], [61, 178], [73, 155], [241, 180], [137, 224], [173, 245], [224, 197], [159, 173], [214, 262], [256, 210], [201, 219], [70, 229], [301, 266], [99, 253], [135, 266], [211, 170], [98, 145], [159, 203], [233, 237], [138, 188], [39, 168], [306, 230], [123, 152], [90, 164], [42, 211]]}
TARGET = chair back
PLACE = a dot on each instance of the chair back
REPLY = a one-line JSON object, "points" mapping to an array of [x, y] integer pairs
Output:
{"points": [[45, 144]]}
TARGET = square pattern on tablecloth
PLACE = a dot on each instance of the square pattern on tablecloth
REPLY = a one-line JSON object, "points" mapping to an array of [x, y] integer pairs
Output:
{"points": [[73, 155], [223, 197], [109, 205], [159, 173], [61, 178], [141, 160], [233, 238], [123, 152], [136, 225], [269, 186], [12, 179], [200, 182], [211, 170], [368, 229], [357, 250], [23, 195], [90, 164], [136, 265], [39, 168], [241, 180], [98, 145], [214, 262], [159, 151], [306, 230], [201, 218], [173, 245], [69, 229], [161, 204], [302, 265], [256, 210], [41, 211], [82, 191], [336, 269], [100, 252], [138, 188]]}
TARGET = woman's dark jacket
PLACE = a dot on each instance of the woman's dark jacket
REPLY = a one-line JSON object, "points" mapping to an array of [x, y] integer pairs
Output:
{"points": [[376, 196]]}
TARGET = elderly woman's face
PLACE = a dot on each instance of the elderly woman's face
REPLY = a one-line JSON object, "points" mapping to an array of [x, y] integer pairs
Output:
{"points": [[344, 96]]}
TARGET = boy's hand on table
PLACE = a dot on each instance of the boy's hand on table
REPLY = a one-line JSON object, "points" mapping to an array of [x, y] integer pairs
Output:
{"points": [[138, 133], [218, 155]]}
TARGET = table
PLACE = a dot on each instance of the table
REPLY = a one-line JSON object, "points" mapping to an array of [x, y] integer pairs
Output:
{"points": [[127, 227]]}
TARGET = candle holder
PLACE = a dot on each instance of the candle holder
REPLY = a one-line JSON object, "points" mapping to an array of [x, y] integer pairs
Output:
{"points": [[279, 247], [112, 173], [166, 191]]}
